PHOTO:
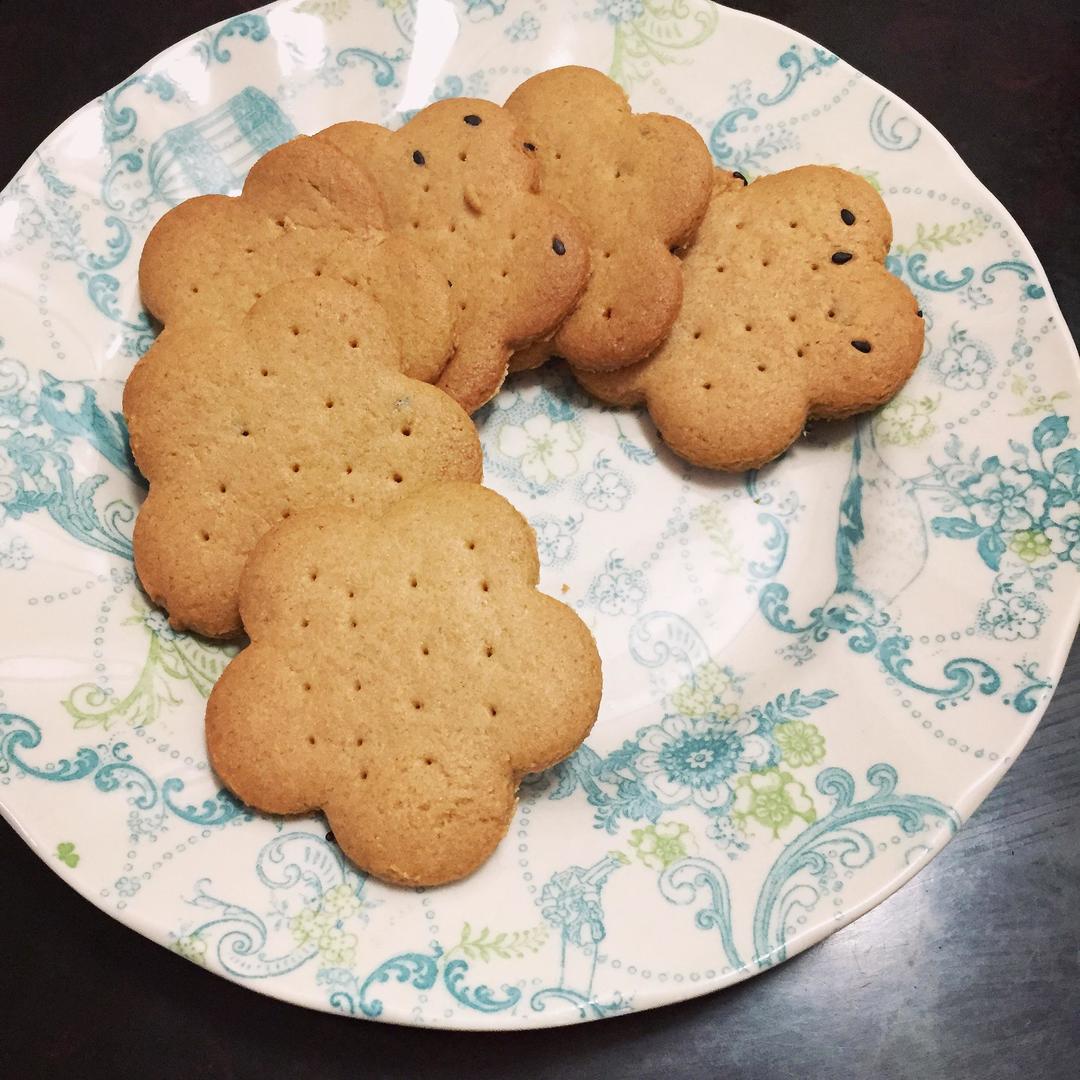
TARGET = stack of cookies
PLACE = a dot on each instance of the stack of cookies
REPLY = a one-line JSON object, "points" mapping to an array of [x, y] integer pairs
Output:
{"points": [[303, 422]]}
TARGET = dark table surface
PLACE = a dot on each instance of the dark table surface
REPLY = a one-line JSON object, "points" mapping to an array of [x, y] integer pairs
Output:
{"points": [[971, 970]]}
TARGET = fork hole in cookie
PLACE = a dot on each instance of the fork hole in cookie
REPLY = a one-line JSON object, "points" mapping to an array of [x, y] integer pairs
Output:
{"points": [[359, 740], [284, 515], [311, 740], [363, 774], [305, 623], [205, 536], [762, 368], [485, 587], [406, 430], [222, 488], [317, 271], [471, 545], [353, 624], [800, 353], [424, 650], [793, 224], [429, 761], [358, 686], [313, 575], [720, 269], [492, 710], [280, 223], [194, 288], [489, 651], [245, 433], [295, 467], [295, 331], [348, 470], [354, 343], [426, 188], [307, 687], [697, 334], [793, 317], [706, 386], [764, 262], [738, 224], [748, 328], [453, 227], [329, 403], [813, 266], [413, 582], [607, 313], [831, 314], [397, 478], [506, 273], [264, 372], [462, 156], [417, 704]]}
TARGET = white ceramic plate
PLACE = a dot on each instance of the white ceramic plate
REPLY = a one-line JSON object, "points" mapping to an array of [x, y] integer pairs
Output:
{"points": [[813, 674]]}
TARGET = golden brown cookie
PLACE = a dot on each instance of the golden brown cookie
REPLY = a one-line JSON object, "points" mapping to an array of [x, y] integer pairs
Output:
{"points": [[403, 675], [459, 179], [306, 211], [640, 184], [236, 429], [788, 313]]}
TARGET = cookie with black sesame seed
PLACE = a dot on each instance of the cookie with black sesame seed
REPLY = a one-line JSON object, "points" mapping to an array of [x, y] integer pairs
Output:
{"points": [[404, 674], [788, 314], [461, 182], [303, 404], [640, 182]]}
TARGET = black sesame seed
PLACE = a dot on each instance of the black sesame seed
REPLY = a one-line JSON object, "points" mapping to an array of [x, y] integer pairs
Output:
{"points": [[739, 176], [847, 217], [472, 120], [330, 838], [919, 313], [529, 146], [418, 157], [841, 257], [558, 246], [862, 346]]}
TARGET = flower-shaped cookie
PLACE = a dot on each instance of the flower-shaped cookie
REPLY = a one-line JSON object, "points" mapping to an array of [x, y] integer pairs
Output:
{"points": [[788, 313], [306, 211], [302, 405], [403, 675], [640, 184], [460, 179]]}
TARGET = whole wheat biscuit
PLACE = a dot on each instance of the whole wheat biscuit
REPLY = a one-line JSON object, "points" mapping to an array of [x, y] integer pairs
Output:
{"points": [[788, 313], [459, 179], [236, 429], [305, 211], [403, 675], [640, 183]]}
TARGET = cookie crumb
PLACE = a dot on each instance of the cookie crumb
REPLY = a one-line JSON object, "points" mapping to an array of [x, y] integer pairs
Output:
{"points": [[565, 588]]}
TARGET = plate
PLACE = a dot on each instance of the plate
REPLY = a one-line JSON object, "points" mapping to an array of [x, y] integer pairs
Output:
{"points": [[813, 673]]}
